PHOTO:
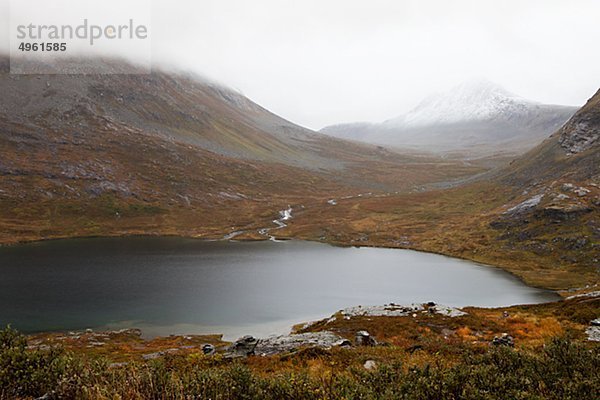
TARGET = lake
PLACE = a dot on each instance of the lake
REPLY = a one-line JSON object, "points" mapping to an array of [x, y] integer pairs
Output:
{"points": [[167, 285]]}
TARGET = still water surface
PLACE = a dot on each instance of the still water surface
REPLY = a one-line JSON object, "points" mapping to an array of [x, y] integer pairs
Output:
{"points": [[173, 286]]}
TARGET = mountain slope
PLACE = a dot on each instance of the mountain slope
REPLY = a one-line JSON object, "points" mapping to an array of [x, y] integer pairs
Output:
{"points": [[477, 116], [170, 154]]}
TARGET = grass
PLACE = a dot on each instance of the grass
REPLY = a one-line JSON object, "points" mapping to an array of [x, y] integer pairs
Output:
{"points": [[561, 369]]}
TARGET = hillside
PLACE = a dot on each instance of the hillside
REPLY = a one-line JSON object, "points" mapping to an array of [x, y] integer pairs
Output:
{"points": [[476, 117], [169, 153]]}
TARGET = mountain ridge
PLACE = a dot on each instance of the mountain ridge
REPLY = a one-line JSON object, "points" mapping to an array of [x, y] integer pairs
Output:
{"points": [[475, 117]]}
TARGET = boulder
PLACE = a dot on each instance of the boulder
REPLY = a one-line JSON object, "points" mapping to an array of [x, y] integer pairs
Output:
{"points": [[370, 365], [242, 347], [208, 349], [504, 340], [364, 338]]}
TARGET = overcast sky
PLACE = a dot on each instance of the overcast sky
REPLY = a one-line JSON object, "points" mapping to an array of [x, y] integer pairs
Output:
{"points": [[319, 62]]}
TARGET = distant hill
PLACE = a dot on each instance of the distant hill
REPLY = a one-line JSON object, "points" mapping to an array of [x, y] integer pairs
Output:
{"points": [[478, 117]]}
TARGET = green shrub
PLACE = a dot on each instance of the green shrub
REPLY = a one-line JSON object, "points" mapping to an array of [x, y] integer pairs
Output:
{"points": [[563, 370]]}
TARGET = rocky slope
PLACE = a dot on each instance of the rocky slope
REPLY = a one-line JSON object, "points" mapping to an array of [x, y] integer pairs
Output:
{"points": [[476, 117]]}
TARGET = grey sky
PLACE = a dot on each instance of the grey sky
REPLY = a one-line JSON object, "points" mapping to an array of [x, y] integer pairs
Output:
{"points": [[319, 62]]}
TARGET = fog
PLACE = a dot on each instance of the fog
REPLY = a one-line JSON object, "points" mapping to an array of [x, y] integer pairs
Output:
{"points": [[324, 62]]}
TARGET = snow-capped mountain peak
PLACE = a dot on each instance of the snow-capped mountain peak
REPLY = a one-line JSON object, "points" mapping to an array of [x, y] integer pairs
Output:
{"points": [[476, 100]]}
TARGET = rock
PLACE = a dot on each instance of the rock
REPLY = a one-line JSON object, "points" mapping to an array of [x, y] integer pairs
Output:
{"points": [[288, 343], [364, 338], [581, 191], [589, 294], [504, 340], [343, 343], [370, 365], [391, 310], [593, 331], [395, 310], [208, 349], [152, 356], [578, 135], [242, 347], [525, 205], [561, 196]]}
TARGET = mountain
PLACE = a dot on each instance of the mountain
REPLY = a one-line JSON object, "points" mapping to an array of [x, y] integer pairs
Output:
{"points": [[477, 116], [537, 217], [169, 153]]}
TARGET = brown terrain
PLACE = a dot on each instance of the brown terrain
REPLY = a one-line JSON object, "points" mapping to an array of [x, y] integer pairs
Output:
{"points": [[168, 154]]}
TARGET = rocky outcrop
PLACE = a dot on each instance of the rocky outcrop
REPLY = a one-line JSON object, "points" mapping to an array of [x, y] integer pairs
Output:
{"points": [[593, 331], [289, 343], [582, 131], [396, 310], [242, 347], [249, 345]]}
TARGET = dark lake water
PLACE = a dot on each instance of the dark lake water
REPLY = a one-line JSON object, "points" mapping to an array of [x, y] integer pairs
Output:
{"points": [[174, 286]]}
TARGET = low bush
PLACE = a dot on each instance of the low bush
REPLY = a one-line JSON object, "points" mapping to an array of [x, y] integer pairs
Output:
{"points": [[563, 370]]}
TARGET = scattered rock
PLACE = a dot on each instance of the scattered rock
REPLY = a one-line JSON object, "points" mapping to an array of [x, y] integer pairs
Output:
{"points": [[593, 331], [364, 338], [525, 205], [208, 349], [589, 294], [242, 347], [370, 365], [504, 340], [343, 343], [152, 356]]}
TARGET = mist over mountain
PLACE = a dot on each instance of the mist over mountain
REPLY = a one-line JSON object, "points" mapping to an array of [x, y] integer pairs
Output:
{"points": [[118, 153], [477, 116]]}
